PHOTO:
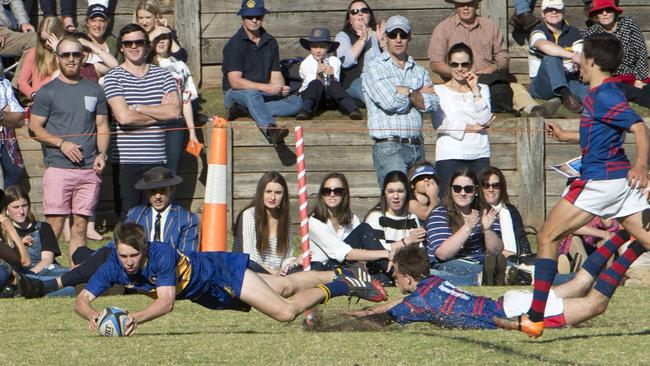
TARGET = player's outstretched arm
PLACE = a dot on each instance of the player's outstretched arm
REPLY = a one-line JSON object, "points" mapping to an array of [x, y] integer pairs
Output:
{"points": [[85, 310], [381, 309], [638, 175], [556, 132], [161, 306]]}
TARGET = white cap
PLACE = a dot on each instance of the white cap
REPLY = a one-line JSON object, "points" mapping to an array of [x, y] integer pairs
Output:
{"points": [[553, 4]]}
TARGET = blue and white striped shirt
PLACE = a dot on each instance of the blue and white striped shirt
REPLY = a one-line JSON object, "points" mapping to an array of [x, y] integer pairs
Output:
{"points": [[138, 145], [389, 112], [438, 230]]}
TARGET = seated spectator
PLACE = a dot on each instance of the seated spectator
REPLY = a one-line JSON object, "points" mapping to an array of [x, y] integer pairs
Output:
{"points": [[462, 120], [161, 56], [524, 20], [320, 77], [494, 191], [491, 60], [252, 80], [149, 17], [394, 226], [13, 167], [554, 55], [633, 69], [37, 237], [103, 46], [17, 33], [424, 189], [460, 233], [263, 228], [161, 219], [337, 236], [360, 42], [39, 65]]}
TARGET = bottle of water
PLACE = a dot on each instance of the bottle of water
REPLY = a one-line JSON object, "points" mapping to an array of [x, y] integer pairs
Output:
{"points": [[326, 76]]}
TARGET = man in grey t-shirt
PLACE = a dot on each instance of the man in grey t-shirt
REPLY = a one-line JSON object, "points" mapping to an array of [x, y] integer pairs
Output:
{"points": [[70, 118]]}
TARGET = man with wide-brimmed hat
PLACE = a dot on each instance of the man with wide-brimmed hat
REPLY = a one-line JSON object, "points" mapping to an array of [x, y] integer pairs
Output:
{"points": [[252, 79], [320, 74], [161, 219]]}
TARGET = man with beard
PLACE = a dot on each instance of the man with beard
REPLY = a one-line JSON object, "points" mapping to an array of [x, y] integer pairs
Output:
{"points": [[70, 118]]}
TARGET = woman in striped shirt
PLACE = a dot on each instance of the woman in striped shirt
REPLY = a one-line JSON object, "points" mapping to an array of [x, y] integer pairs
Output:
{"points": [[459, 233], [262, 229]]}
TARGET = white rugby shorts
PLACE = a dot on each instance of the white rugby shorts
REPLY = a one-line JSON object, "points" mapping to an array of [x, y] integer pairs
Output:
{"points": [[609, 198]]}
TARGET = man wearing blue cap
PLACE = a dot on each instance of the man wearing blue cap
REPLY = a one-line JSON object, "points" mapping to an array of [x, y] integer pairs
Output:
{"points": [[397, 92], [252, 77]]}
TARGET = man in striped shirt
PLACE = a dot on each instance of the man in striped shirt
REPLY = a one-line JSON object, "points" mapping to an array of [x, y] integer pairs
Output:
{"points": [[142, 97], [397, 92]]}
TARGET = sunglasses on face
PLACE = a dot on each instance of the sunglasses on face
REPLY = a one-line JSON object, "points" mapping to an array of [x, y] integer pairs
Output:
{"points": [[464, 65], [134, 43], [339, 192], [400, 33], [256, 17], [67, 55], [468, 189], [606, 10], [361, 10], [496, 185]]}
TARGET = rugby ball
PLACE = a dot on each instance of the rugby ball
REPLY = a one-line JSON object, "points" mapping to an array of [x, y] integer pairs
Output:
{"points": [[112, 322]]}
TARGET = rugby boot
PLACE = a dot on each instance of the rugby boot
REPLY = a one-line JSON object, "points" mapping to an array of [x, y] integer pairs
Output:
{"points": [[371, 291], [521, 323]]}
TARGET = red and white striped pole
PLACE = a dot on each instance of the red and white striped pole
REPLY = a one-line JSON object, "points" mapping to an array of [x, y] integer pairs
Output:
{"points": [[302, 199]]}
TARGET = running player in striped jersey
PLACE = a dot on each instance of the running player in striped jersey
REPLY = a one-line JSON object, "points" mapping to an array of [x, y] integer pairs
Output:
{"points": [[434, 300]]}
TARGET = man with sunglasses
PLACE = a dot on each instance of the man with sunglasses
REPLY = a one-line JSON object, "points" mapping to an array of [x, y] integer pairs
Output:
{"points": [[554, 56], [142, 97], [397, 91], [491, 59], [70, 118], [252, 80]]}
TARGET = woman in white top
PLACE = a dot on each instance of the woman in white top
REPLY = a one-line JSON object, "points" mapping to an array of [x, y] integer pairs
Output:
{"points": [[337, 235], [391, 220], [462, 119], [262, 229]]}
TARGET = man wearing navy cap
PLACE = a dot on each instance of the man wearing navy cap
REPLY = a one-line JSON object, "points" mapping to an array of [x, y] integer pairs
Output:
{"points": [[252, 77]]}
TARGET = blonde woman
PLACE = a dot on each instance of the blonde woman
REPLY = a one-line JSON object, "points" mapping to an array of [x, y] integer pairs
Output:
{"points": [[149, 16]]}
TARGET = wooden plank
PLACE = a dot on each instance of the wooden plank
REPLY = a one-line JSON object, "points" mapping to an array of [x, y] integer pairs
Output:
{"points": [[343, 158], [276, 6], [530, 165], [188, 29], [300, 24], [498, 12]]}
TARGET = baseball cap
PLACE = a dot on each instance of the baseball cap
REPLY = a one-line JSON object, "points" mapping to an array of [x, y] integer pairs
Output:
{"points": [[553, 4], [423, 170], [97, 10], [398, 21]]}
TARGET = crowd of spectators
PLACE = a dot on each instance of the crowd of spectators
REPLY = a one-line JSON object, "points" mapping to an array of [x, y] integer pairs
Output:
{"points": [[83, 85]]}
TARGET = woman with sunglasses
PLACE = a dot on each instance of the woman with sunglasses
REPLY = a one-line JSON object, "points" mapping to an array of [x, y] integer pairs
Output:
{"points": [[359, 43], [424, 189], [39, 64], [149, 16], [633, 70], [494, 192], [462, 119], [394, 225], [262, 229], [160, 55], [337, 235], [460, 232]]}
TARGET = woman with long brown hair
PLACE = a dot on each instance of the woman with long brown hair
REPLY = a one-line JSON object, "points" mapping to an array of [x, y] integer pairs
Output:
{"points": [[263, 228]]}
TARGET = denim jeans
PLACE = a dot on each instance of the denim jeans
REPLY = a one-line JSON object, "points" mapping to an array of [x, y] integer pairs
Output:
{"points": [[355, 91], [263, 107], [175, 143], [551, 76], [11, 172], [5, 273], [445, 169], [522, 6], [389, 156], [460, 272]]}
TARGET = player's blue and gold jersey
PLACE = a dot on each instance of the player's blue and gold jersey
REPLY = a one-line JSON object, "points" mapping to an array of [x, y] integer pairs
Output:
{"points": [[210, 278], [438, 301]]}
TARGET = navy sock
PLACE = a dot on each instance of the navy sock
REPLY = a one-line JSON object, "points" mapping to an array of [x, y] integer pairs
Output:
{"points": [[608, 280], [598, 259], [334, 289], [545, 270], [50, 285]]}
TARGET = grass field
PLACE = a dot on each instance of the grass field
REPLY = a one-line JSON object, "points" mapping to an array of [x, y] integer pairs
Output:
{"points": [[47, 331]]}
